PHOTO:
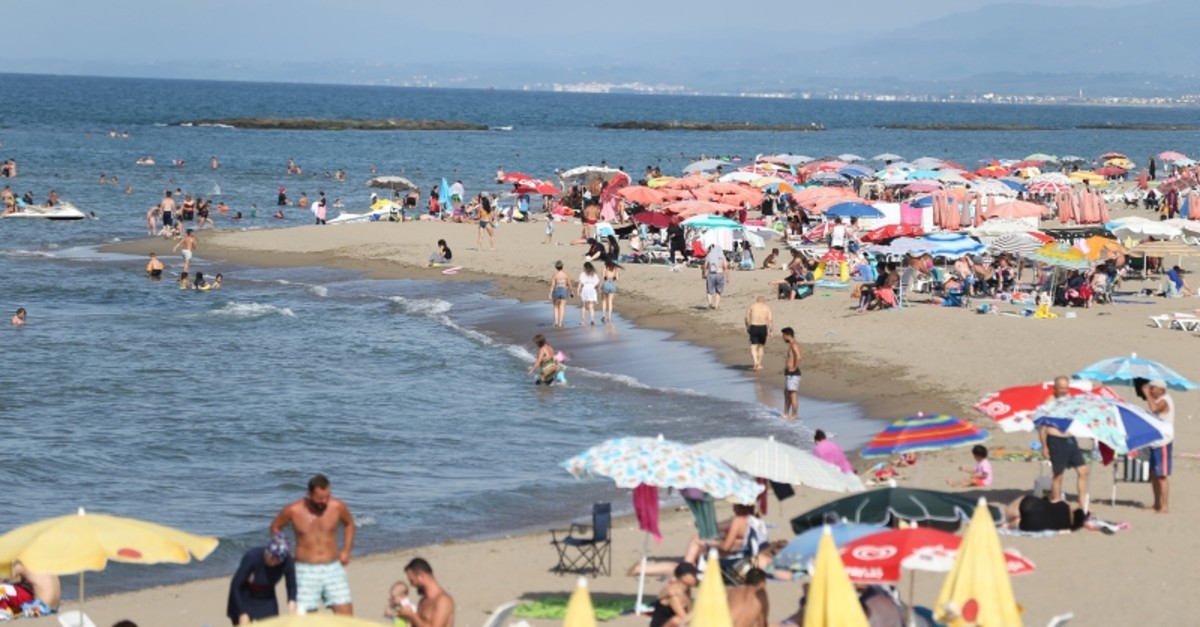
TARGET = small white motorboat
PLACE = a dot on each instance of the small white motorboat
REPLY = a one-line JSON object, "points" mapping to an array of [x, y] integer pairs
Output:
{"points": [[61, 211], [382, 210]]}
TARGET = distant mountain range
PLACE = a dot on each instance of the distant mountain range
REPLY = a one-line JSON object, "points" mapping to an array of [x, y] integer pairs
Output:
{"points": [[1138, 51]]}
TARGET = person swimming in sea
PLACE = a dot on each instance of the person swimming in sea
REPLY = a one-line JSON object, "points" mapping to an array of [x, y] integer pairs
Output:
{"points": [[154, 267], [185, 281], [18, 319]]}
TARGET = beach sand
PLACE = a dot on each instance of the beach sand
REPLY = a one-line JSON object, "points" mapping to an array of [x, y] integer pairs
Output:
{"points": [[893, 364]]}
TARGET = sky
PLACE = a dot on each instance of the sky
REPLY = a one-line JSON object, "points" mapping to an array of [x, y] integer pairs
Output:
{"points": [[156, 31]]}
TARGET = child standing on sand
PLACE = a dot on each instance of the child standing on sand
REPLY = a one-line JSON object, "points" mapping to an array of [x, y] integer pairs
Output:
{"points": [[549, 230], [980, 475]]}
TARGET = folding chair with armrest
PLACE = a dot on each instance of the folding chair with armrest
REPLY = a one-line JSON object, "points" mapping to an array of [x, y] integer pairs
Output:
{"points": [[586, 554]]}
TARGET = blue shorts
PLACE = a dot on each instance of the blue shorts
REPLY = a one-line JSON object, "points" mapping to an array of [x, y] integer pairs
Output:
{"points": [[1160, 460], [560, 293]]}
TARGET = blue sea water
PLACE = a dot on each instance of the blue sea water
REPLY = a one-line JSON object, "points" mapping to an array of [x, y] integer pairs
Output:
{"points": [[209, 411]]}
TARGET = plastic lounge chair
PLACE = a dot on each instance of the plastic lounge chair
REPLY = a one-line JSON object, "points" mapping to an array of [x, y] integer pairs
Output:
{"points": [[1184, 322], [586, 554], [1159, 321], [499, 616]]}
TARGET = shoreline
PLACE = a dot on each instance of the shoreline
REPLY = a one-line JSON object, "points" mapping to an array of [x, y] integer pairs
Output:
{"points": [[921, 358]]}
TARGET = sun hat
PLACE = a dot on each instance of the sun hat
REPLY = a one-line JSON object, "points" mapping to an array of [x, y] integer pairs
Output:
{"points": [[1158, 383]]}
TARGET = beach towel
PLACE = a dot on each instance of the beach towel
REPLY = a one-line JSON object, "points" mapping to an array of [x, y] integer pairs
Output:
{"points": [[705, 515], [555, 608], [1030, 534], [645, 505]]}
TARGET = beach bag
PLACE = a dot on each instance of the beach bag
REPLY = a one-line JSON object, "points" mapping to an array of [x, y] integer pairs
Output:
{"points": [[1133, 469]]}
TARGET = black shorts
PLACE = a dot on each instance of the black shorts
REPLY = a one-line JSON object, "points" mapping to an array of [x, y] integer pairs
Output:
{"points": [[758, 334], [1064, 453]]}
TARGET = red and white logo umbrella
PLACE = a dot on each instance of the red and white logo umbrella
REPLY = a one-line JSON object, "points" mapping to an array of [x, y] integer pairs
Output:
{"points": [[882, 557]]}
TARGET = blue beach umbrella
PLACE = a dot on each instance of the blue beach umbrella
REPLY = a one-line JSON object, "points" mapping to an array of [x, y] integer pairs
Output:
{"points": [[1013, 184], [1123, 427], [952, 245], [710, 221], [444, 197], [923, 433], [921, 175], [803, 548], [1126, 369], [853, 210]]}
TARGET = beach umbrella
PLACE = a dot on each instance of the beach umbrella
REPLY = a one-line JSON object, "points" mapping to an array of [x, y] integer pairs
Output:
{"points": [[1016, 209], [1060, 255], [799, 552], [922, 187], [1126, 369], [887, 157], [926, 163], [831, 600], [534, 186], [786, 159], [781, 463], [1171, 155], [1121, 426], [740, 176], [397, 183], [580, 612], [850, 157], [1041, 156], [1072, 160], [711, 608], [828, 178], [1098, 247], [1163, 249], [892, 231], [1012, 408], [856, 171], [516, 177], [882, 556], [1048, 187], [642, 195], [952, 245], [884, 506], [709, 221], [1121, 162], [315, 620], [993, 187], [923, 433], [705, 165], [634, 461], [853, 210], [978, 589], [652, 218], [81, 542], [1015, 244], [1110, 170], [590, 172]]}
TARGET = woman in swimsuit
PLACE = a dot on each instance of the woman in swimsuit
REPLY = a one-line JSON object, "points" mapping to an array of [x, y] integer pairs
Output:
{"points": [[588, 281], [674, 605], [543, 363], [608, 289], [485, 223], [560, 291]]}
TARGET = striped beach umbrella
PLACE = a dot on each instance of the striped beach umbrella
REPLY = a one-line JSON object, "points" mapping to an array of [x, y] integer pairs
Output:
{"points": [[923, 433]]}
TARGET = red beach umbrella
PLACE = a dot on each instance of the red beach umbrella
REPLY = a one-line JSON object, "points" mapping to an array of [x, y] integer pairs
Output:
{"points": [[1012, 408], [652, 218], [642, 195], [881, 557], [892, 231], [516, 177]]}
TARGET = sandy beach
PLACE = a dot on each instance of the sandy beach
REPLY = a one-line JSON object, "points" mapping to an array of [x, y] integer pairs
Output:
{"points": [[923, 358]]}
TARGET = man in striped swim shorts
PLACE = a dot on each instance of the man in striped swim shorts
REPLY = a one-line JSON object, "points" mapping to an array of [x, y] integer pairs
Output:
{"points": [[320, 565]]}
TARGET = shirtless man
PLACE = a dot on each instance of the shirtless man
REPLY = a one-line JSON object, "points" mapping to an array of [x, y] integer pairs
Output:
{"points": [[167, 205], [154, 267], [1063, 452], [436, 608], [591, 214], [791, 374], [29, 587], [319, 563], [188, 243], [748, 604], [758, 325]]}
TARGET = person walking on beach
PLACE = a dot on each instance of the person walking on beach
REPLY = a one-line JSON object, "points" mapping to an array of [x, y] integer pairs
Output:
{"points": [[608, 289], [485, 223], [319, 208], [188, 243], [436, 607], [588, 281], [560, 291], [320, 566], [1063, 451], [591, 214], [1163, 407], [758, 325], [252, 589], [715, 273], [791, 374]]}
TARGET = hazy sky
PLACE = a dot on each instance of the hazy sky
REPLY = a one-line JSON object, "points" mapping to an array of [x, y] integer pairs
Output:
{"points": [[281, 31]]}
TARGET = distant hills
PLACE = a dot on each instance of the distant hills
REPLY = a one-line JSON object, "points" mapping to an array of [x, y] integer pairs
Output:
{"points": [[1134, 51]]}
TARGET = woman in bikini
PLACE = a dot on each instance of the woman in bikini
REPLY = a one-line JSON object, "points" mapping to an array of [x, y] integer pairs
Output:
{"points": [[560, 291], [608, 289]]}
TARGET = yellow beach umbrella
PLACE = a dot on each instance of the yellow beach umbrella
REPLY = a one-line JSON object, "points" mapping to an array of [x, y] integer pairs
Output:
{"points": [[1100, 247], [831, 600], [712, 607], [315, 620], [580, 612], [978, 590], [81, 542]]}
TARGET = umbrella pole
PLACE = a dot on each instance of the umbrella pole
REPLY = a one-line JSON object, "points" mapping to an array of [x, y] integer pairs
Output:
{"points": [[81, 598], [912, 593], [637, 608]]}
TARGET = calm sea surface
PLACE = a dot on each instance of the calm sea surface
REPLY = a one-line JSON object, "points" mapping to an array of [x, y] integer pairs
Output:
{"points": [[209, 411]]}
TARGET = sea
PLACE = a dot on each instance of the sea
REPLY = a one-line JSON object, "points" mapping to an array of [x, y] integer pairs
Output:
{"points": [[208, 411]]}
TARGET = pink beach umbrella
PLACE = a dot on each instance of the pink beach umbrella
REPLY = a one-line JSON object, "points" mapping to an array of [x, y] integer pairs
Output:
{"points": [[1103, 204]]}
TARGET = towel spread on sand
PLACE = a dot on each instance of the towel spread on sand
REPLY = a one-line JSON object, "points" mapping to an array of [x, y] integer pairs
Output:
{"points": [[645, 505], [555, 608]]}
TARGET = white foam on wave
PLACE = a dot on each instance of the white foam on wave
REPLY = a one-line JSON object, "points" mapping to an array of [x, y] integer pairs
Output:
{"points": [[428, 307], [21, 252], [251, 311], [319, 291], [365, 520]]}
